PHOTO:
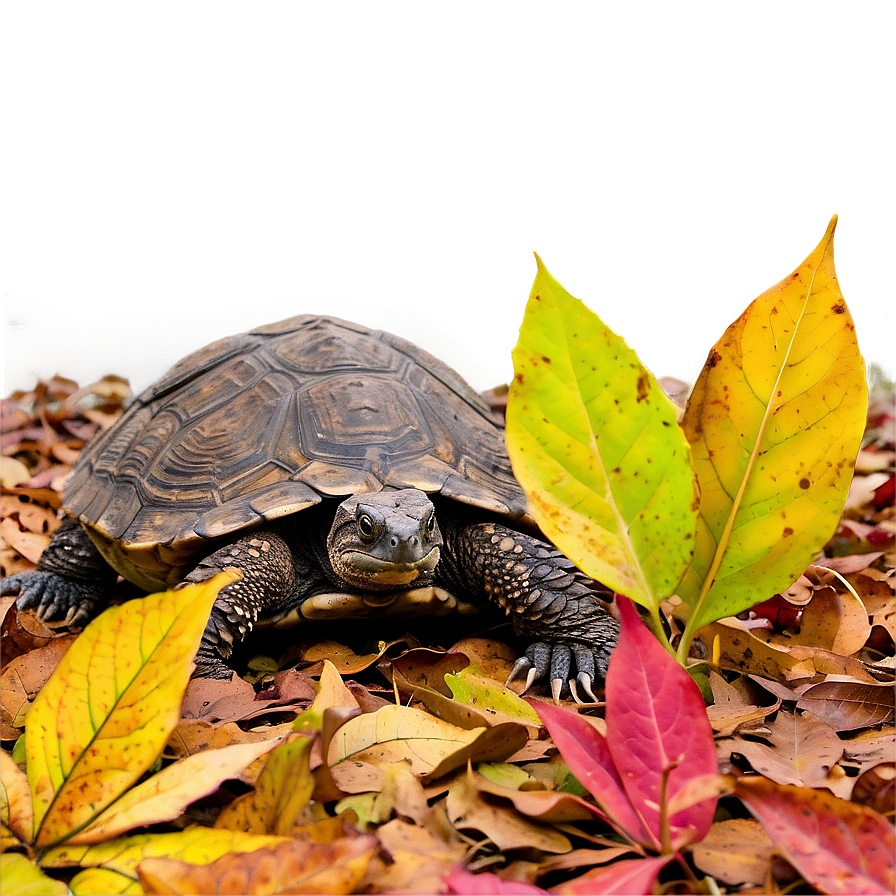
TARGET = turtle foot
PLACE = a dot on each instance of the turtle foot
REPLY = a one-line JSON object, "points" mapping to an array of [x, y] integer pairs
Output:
{"points": [[66, 603]]}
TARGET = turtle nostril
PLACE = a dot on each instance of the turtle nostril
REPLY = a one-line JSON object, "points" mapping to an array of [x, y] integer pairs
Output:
{"points": [[415, 541], [393, 541]]}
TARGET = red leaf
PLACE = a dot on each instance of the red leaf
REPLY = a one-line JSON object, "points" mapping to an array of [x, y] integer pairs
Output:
{"points": [[486, 884], [656, 721], [837, 846], [585, 751], [625, 877]]}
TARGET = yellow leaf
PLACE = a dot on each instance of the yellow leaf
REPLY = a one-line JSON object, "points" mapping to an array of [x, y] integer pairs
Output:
{"points": [[105, 714], [166, 795], [20, 876], [101, 880], [15, 803], [281, 793], [774, 422], [197, 845]]}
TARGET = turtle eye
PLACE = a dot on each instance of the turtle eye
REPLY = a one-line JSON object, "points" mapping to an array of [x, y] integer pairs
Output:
{"points": [[365, 526], [431, 525]]}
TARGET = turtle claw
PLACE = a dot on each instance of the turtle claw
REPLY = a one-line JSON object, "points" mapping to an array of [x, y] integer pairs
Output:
{"points": [[557, 685], [57, 600], [585, 680], [523, 664], [567, 668]]}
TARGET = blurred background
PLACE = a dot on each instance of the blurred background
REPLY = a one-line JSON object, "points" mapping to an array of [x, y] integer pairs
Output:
{"points": [[173, 173]]}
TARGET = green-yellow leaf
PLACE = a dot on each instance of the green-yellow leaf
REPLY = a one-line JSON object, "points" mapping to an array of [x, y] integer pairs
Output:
{"points": [[105, 714], [166, 795], [595, 444], [20, 876], [16, 822], [490, 698], [775, 421]]}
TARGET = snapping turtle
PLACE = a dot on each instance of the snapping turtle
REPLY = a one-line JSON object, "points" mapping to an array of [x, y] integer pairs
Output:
{"points": [[343, 471]]}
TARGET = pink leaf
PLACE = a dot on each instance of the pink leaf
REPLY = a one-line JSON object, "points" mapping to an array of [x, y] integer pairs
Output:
{"points": [[486, 884], [656, 722], [584, 749], [838, 846], [625, 877]]}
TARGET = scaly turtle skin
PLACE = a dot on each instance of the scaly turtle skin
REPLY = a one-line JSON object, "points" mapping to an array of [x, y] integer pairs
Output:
{"points": [[343, 471]]}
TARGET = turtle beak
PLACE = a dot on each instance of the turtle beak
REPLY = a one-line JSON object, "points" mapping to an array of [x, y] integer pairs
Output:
{"points": [[392, 573]]}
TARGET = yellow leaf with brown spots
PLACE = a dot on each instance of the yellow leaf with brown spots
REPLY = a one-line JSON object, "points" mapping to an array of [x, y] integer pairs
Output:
{"points": [[775, 422], [278, 803], [290, 867], [105, 714], [596, 446]]}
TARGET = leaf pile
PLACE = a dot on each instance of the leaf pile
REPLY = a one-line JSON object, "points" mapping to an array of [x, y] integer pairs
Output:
{"points": [[389, 767]]}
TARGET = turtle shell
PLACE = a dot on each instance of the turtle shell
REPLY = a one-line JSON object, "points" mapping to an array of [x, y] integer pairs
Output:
{"points": [[261, 425]]}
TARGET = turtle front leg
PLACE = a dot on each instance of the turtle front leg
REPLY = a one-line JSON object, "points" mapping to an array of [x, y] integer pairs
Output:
{"points": [[268, 580], [72, 582], [546, 597]]}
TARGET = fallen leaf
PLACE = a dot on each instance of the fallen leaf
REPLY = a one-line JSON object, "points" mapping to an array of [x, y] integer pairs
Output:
{"points": [[838, 847], [847, 705], [433, 747], [469, 810], [277, 803], [801, 749], [166, 795], [290, 867], [16, 817], [623, 877], [736, 851], [22, 875], [420, 857], [461, 881], [115, 693]]}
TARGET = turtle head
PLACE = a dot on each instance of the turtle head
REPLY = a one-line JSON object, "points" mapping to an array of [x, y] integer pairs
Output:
{"points": [[384, 541]]}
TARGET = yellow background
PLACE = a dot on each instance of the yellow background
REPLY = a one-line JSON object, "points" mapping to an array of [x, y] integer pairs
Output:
{"points": [[173, 171]]}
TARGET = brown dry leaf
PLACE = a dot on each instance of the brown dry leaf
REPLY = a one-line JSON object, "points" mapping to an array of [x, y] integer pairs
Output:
{"points": [[420, 857], [23, 678], [547, 806], [194, 735], [343, 658], [29, 544], [731, 708], [468, 809], [801, 749], [835, 621], [290, 867], [736, 851], [216, 701], [848, 705], [424, 668], [744, 650], [875, 789]]}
